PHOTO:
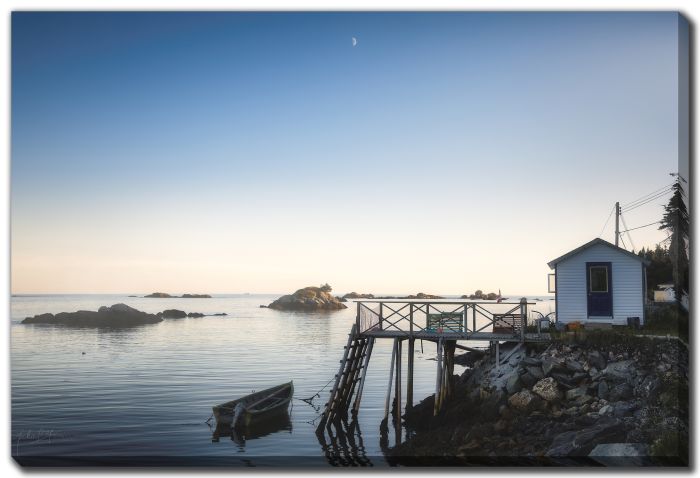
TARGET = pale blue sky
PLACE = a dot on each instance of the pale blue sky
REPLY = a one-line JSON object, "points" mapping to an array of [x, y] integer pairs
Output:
{"points": [[258, 152]]}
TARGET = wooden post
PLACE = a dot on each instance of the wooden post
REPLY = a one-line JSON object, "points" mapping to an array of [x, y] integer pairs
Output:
{"points": [[397, 386], [391, 378], [381, 316], [409, 378], [410, 315], [449, 368], [357, 317], [498, 356], [438, 379], [474, 317], [466, 328], [358, 397], [523, 318]]}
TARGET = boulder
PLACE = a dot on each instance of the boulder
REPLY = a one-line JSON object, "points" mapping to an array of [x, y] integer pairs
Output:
{"points": [[621, 391], [564, 380], [622, 370], [158, 295], [527, 380], [603, 389], [513, 384], [550, 365], [523, 401], [580, 443], [195, 314], [623, 409], [308, 299], [621, 454], [575, 393], [573, 366], [596, 359], [547, 389], [535, 371], [118, 315], [531, 361], [173, 314]]}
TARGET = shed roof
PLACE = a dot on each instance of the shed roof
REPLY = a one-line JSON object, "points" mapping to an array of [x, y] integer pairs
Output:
{"points": [[592, 243]]}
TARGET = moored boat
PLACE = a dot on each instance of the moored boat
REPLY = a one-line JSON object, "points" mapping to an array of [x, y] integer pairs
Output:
{"points": [[254, 407]]}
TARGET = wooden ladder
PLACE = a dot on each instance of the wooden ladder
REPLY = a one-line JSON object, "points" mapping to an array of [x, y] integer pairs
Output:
{"points": [[352, 371]]}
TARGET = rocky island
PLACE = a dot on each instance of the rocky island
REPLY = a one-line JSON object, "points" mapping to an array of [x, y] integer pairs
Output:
{"points": [[163, 295], [309, 299], [118, 315], [181, 314]]}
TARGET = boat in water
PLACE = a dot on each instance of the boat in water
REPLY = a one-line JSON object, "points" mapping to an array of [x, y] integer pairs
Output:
{"points": [[258, 406]]}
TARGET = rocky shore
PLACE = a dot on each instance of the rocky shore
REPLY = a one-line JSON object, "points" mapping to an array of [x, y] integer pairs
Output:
{"points": [[613, 400], [308, 299]]}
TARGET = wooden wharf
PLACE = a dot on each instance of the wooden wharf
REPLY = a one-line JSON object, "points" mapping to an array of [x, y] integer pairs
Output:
{"points": [[443, 322]]}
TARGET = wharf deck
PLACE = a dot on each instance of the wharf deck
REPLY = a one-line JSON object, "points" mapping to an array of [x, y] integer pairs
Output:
{"points": [[480, 336]]}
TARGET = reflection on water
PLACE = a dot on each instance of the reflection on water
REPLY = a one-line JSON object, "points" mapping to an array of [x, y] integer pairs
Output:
{"points": [[144, 392], [342, 444], [280, 423]]}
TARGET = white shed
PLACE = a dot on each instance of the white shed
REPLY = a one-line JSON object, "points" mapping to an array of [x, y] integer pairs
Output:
{"points": [[599, 283]]}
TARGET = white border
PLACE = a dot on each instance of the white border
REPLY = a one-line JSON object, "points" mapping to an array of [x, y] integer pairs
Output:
{"points": [[9, 468]]}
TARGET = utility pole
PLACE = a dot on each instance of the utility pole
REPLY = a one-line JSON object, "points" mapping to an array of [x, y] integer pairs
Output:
{"points": [[617, 224]]}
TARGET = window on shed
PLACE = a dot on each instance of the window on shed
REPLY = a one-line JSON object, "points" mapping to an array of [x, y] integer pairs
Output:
{"points": [[599, 279]]}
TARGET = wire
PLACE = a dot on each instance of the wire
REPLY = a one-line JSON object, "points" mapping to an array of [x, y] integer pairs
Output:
{"points": [[628, 234], [623, 241], [657, 196], [606, 221], [647, 195], [639, 227]]}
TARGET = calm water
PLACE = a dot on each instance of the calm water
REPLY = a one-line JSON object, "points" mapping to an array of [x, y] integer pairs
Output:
{"points": [[147, 391]]}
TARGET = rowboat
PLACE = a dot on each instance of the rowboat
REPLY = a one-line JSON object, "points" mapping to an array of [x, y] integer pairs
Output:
{"points": [[254, 407]]}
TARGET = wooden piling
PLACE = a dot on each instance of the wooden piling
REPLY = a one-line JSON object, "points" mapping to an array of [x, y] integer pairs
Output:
{"points": [[438, 379], [409, 377], [397, 386], [391, 378]]}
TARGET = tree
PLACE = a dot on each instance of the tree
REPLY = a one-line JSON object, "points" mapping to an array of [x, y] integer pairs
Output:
{"points": [[326, 287], [677, 223]]}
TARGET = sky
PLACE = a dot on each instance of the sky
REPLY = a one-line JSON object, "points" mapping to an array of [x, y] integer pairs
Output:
{"points": [[263, 152]]}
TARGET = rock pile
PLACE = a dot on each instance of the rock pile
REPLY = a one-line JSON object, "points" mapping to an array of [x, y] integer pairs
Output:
{"points": [[565, 402]]}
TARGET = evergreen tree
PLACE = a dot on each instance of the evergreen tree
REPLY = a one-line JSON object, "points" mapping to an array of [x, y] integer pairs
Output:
{"points": [[677, 222]]}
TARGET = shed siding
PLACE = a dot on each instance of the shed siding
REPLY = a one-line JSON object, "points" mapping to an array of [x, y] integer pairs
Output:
{"points": [[572, 300]]}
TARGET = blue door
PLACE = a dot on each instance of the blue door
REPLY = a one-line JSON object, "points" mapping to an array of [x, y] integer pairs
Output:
{"points": [[599, 288]]}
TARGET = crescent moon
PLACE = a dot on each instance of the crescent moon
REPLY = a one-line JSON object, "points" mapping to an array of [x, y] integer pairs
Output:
{"points": [[354, 41]]}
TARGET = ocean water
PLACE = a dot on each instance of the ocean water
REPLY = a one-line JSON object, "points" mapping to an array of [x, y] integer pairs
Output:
{"points": [[142, 395]]}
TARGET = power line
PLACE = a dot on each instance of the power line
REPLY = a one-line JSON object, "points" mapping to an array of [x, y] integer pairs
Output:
{"points": [[652, 198], [606, 221], [628, 234], [639, 227], [647, 195]]}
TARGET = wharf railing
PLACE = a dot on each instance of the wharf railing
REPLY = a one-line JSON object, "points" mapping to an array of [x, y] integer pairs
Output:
{"points": [[452, 319]]}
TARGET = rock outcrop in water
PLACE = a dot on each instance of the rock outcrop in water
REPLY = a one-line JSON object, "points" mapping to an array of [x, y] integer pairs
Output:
{"points": [[355, 295], [163, 295], [308, 299], [118, 315], [181, 314]]}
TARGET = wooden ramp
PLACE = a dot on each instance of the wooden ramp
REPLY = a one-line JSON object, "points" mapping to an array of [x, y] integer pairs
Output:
{"points": [[350, 379]]}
